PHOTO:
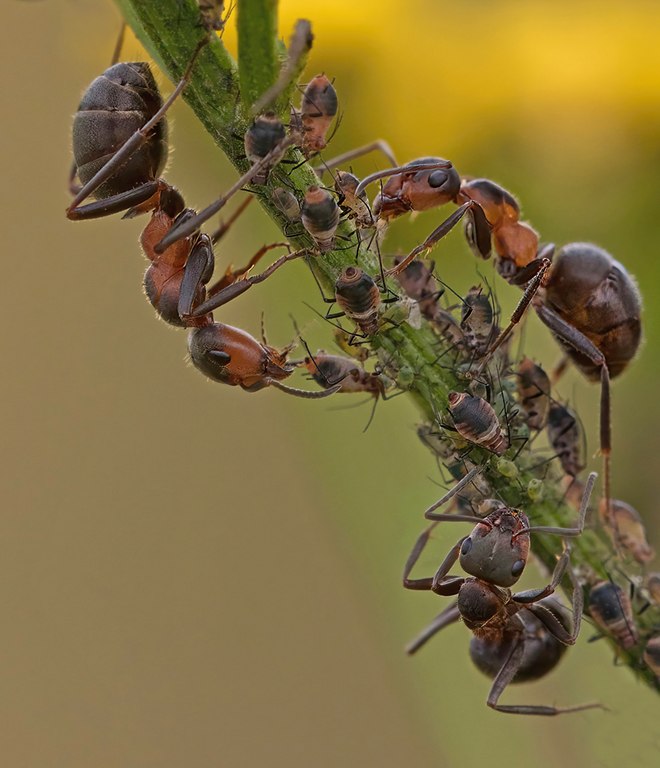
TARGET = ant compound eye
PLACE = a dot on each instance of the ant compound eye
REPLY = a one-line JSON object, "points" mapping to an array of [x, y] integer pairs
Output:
{"points": [[437, 178], [518, 568], [467, 546]]}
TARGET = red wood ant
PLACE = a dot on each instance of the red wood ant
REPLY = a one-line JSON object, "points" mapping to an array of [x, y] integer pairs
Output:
{"points": [[517, 636]]}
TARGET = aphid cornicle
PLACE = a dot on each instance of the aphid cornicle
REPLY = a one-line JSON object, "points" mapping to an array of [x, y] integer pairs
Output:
{"points": [[565, 437], [517, 636], [609, 606], [234, 357], [534, 393], [320, 217], [475, 419], [359, 298]]}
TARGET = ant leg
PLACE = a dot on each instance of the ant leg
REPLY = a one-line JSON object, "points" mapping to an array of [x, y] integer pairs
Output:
{"points": [[519, 311], [506, 674], [235, 289], [432, 583], [411, 169], [579, 527], [447, 225], [197, 272], [585, 346], [122, 155], [452, 492], [224, 226], [450, 615], [378, 145], [309, 395], [189, 226], [232, 275]]}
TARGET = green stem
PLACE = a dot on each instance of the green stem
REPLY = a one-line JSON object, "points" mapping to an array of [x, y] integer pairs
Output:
{"points": [[258, 62], [411, 352]]}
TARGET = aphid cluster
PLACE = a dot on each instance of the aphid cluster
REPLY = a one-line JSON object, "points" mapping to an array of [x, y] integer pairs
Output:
{"points": [[586, 299]]}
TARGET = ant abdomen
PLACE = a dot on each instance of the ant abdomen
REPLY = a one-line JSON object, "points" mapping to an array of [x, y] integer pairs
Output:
{"points": [[112, 109], [542, 652]]}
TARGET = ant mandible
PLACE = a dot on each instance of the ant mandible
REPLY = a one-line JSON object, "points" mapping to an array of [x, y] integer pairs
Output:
{"points": [[517, 636]]}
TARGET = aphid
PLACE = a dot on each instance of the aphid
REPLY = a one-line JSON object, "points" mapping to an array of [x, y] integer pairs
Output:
{"points": [[320, 217], [317, 111], [356, 208], [231, 356], [628, 530], [534, 393], [517, 636], [120, 141], [476, 420], [565, 437], [609, 606], [478, 321], [265, 138], [651, 655], [359, 298], [287, 203], [330, 370]]}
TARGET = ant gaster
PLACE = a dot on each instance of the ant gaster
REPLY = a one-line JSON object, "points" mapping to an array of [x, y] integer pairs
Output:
{"points": [[516, 635]]}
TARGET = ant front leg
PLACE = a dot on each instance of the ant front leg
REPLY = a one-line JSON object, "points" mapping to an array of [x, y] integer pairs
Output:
{"points": [[439, 583], [375, 146], [481, 235]]}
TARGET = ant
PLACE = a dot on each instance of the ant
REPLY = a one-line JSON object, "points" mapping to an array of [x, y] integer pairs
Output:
{"points": [[517, 636]]}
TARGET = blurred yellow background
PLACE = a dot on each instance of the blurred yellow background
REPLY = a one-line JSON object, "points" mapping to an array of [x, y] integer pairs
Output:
{"points": [[195, 576]]}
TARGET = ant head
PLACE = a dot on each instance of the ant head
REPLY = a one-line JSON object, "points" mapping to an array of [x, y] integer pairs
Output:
{"points": [[496, 550]]}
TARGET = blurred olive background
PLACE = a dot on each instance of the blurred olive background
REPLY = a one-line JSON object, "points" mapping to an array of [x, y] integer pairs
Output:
{"points": [[192, 575]]}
